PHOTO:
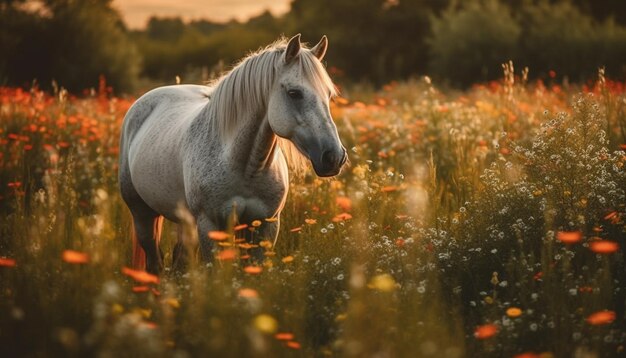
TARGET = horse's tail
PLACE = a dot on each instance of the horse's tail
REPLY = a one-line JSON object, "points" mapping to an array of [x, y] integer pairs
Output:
{"points": [[139, 255]]}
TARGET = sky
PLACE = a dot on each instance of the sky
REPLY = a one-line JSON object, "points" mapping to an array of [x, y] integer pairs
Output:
{"points": [[137, 12]]}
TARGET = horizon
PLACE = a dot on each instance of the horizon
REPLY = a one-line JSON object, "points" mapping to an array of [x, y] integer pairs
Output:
{"points": [[137, 12]]}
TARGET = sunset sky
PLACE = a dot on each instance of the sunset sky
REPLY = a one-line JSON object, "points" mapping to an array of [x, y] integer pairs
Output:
{"points": [[137, 12]]}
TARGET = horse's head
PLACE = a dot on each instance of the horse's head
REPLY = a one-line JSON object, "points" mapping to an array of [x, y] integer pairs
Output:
{"points": [[298, 108]]}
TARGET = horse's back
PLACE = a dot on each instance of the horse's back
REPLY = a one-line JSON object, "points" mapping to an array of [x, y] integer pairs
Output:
{"points": [[159, 98], [152, 140]]}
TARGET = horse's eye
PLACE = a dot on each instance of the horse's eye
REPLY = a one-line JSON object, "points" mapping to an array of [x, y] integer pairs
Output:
{"points": [[295, 94]]}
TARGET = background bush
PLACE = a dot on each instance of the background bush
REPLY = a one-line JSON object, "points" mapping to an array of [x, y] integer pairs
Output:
{"points": [[471, 42], [375, 41]]}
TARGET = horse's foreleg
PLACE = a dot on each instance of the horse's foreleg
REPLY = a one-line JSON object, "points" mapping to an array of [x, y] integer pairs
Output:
{"points": [[206, 245], [181, 254], [148, 234]]}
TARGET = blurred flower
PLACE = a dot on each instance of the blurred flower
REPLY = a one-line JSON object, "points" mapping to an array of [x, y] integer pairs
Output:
{"points": [[513, 312], [601, 318], [256, 223], [604, 247], [253, 270], [172, 302], [389, 189], [485, 331], [293, 345], [75, 257], [569, 237], [218, 235], [4, 262], [248, 293], [344, 203], [287, 259], [284, 336], [341, 217], [226, 255], [383, 283], [140, 276], [265, 323], [138, 289]]}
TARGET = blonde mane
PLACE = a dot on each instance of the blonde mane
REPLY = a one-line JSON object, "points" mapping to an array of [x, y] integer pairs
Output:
{"points": [[246, 89]]}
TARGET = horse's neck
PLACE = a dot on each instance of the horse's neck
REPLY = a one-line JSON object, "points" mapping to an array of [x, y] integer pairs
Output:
{"points": [[254, 144]]}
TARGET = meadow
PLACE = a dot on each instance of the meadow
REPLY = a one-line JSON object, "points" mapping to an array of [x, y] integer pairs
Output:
{"points": [[488, 223]]}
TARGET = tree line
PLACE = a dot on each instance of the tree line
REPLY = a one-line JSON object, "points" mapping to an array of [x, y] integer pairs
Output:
{"points": [[73, 42]]}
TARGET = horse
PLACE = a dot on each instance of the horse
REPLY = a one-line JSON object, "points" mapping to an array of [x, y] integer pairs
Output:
{"points": [[223, 148]]}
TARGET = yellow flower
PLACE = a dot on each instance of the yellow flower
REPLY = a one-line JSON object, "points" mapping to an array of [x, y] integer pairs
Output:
{"points": [[383, 283], [265, 323]]}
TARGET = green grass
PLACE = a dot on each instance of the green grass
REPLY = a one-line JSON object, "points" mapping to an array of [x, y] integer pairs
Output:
{"points": [[456, 201]]}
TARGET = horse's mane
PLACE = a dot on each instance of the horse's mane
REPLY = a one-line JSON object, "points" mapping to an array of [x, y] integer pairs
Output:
{"points": [[246, 87]]}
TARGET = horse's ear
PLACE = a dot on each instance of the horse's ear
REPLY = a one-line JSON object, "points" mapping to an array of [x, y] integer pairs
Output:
{"points": [[293, 48], [319, 50]]}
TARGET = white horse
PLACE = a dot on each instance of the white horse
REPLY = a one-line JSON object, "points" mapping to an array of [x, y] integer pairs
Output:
{"points": [[221, 149]]}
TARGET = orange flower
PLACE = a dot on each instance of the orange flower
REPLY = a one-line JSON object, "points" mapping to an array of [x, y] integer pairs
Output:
{"points": [[293, 345], [287, 259], [310, 221], [611, 215], [253, 270], [296, 229], [389, 188], [248, 293], [513, 312], [569, 237], [148, 325], [227, 255], [240, 227], [139, 289], [4, 262], [218, 235], [604, 247], [342, 217], [344, 203], [601, 317], [283, 336], [527, 355], [486, 331], [75, 257], [140, 276]]}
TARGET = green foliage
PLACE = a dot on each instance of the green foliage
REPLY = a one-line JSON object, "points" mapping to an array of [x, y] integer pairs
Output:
{"points": [[471, 42], [372, 40], [561, 38], [72, 42], [171, 48]]}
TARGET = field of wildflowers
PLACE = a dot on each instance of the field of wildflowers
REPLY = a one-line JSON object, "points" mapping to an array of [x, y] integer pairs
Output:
{"points": [[483, 223]]}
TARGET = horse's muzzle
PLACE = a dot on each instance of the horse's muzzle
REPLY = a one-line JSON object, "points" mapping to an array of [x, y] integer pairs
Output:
{"points": [[331, 162]]}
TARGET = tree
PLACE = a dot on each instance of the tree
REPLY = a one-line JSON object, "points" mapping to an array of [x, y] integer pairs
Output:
{"points": [[70, 41], [471, 41], [375, 40]]}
